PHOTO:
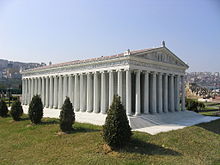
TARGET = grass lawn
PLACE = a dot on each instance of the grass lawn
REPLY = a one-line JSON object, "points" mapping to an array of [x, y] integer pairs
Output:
{"points": [[210, 113], [22, 143]]}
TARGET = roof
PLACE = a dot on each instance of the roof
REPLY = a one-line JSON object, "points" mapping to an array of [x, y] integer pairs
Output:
{"points": [[89, 60], [134, 52]]}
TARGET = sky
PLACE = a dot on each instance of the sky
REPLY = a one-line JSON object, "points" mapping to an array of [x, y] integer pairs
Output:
{"points": [[67, 30]]}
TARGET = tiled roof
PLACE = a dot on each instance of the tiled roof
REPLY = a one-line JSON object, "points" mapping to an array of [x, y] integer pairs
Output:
{"points": [[89, 60]]}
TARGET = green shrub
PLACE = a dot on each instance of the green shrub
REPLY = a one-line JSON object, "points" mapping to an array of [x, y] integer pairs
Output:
{"points": [[201, 105], [116, 130], [35, 110], [16, 110], [194, 105], [3, 109], [67, 116]]}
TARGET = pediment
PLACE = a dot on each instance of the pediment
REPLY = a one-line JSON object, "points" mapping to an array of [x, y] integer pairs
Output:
{"points": [[162, 55]]}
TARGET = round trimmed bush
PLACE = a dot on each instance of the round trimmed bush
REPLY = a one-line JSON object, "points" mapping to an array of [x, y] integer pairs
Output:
{"points": [[3, 109], [16, 110], [35, 110], [67, 116], [116, 130]]}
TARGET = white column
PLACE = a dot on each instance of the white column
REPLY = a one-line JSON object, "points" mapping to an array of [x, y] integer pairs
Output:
{"points": [[51, 96], [171, 98], [70, 89], [103, 93], [96, 93], [128, 92], [29, 90], [111, 87], [64, 87], [82, 93], [60, 92], [165, 95], [120, 84], [146, 92], [89, 93], [35, 86], [39, 86], [23, 91], [183, 93], [177, 100], [160, 101], [43, 91], [32, 88], [77, 96], [154, 93], [55, 90], [47, 93], [137, 94]]}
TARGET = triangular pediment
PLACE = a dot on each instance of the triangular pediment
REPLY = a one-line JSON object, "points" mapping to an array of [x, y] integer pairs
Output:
{"points": [[161, 55]]}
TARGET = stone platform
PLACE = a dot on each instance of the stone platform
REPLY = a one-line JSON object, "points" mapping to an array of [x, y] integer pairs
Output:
{"points": [[151, 123]]}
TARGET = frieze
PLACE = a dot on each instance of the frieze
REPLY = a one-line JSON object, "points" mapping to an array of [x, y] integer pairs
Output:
{"points": [[155, 66], [78, 67]]}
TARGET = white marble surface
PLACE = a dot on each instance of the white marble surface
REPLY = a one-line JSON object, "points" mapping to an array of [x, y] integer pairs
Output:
{"points": [[152, 124]]}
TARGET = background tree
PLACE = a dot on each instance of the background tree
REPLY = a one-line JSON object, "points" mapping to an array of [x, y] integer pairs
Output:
{"points": [[3, 109], [16, 110], [116, 130], [67, 116], [35, 110]]}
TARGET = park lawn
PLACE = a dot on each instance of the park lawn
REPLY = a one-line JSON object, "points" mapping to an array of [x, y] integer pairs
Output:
{"points": [[22, 143], [210, 113]]}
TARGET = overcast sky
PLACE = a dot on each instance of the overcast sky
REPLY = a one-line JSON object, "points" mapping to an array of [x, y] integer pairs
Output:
{"points": [[66, 30]]}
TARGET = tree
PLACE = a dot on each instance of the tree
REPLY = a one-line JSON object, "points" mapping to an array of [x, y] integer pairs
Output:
{"points": [[3, 108], [35, 110], [67, 116], [116, 130], [16, 110]]}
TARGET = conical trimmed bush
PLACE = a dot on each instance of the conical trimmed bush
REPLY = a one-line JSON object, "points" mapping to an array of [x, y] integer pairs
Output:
{"points": [[16, 110], [67, 116], [3, 109], [116, 130], [35, 110]]}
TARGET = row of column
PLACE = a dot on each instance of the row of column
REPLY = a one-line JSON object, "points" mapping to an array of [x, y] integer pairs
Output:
{"points": [[140, 91]]}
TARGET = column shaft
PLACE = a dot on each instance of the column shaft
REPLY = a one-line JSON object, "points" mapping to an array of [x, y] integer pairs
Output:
{"points": [[65, 90], [82, 93], [128, 92], [51, 96], [120, 84], [172, 93], [55, 99], [165, 96], [137, 94], [111, 87], [70, 89], [47, 92], [29, 91], [154, 93], [96, 94], [160, 101], [89, 93], [103, 93], [23, 91], [32, 88], [77, 96], [60, 92], [146, 92], [43, 91]]}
